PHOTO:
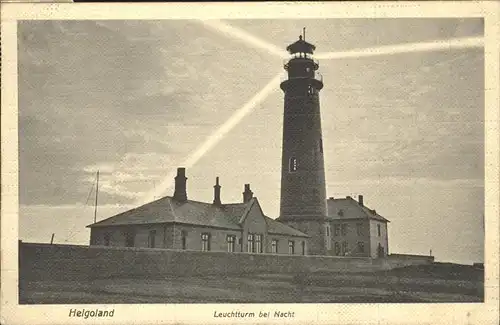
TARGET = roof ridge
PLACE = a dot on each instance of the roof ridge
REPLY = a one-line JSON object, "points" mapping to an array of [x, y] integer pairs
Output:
{"points": [[247, 210], [172, 209], [128, 211]]}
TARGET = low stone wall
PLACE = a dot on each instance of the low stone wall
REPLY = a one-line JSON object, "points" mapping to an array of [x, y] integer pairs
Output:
{"points": [[401, 260], [71, 262]]}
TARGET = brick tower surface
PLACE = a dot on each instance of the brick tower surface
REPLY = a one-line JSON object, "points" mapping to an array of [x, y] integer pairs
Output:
{"points": [[303, 194]]}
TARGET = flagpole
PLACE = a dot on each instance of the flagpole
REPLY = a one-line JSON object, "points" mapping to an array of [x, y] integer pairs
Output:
{"points": [[96, 194]]}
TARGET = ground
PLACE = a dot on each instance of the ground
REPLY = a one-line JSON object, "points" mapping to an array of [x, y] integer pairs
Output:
{"points": [[426, 283]]}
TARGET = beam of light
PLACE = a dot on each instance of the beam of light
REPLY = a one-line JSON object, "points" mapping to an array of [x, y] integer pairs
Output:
{"points": [[244, 37], [215, 137], [238, 115], [440, 45]]}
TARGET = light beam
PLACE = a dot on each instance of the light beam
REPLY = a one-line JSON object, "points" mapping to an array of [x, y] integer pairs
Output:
{"points": [[440, 45], [215, 137], [244, 37], [238, 115]]}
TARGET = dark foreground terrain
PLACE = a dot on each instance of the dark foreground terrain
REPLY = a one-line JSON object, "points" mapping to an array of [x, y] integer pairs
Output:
{"points": [[438, 282]]}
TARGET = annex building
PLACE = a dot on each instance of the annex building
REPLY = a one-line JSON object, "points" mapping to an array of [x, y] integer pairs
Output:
{"points": [[308, 224], [178, 223]]}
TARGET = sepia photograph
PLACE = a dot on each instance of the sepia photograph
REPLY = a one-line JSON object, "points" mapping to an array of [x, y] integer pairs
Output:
{"points": [[276, 161]]}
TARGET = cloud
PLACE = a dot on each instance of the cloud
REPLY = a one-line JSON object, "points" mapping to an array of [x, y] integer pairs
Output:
{"points": [[97, 91]]}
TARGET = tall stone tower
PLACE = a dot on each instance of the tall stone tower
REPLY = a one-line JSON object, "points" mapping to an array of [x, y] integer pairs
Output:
{"points": [[303, 194]]}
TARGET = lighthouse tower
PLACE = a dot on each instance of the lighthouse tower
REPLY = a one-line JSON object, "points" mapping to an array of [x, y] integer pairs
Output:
{"points": [[303, 194]]}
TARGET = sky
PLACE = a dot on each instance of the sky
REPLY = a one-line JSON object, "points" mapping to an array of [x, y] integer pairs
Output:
{"points": [[137, 99]]}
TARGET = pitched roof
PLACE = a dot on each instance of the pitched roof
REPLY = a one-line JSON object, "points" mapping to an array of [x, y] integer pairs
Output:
{"points": [[168, 210], [276, 227], [348, 208]]}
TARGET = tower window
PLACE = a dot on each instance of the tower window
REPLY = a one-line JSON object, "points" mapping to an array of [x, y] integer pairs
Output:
{"points": [[292, 165], [321, 145], [310, 90]]}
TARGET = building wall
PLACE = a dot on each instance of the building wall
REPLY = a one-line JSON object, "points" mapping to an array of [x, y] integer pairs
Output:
{"points": [[170, 236], [318, 241], [351, 237], [72, 262], [218, 238], [375, 239], [117, 236], [283, 244], [255, 223]]}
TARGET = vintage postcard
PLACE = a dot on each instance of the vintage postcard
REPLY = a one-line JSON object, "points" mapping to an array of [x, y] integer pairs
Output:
{"points": [[254, 163]]}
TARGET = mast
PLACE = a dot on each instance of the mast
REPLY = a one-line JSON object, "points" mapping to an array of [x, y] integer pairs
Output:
{"points": [[96, 195]]}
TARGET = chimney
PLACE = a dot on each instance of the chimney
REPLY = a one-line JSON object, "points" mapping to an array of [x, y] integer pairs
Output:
{"points": [[360, 200], [248, 194], [180, 185], [217, 192]]}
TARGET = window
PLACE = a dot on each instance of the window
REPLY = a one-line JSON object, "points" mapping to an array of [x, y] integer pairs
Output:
{"points": [[345, 248], [151, 238], [129, 238], [359, 229], [321, 145], [291, 247], [107, 237], [328, 231], [378, 230], [303, 248], [361, 247], [315, 194], [292, 165], [345, 229], [274, 246], [258, 243], [250, 246], [380, 251], [336, 229], [310, 90], [340, 213], [337, 248], [231, 240], [183, 238], [308, 69], [205, 242]]}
